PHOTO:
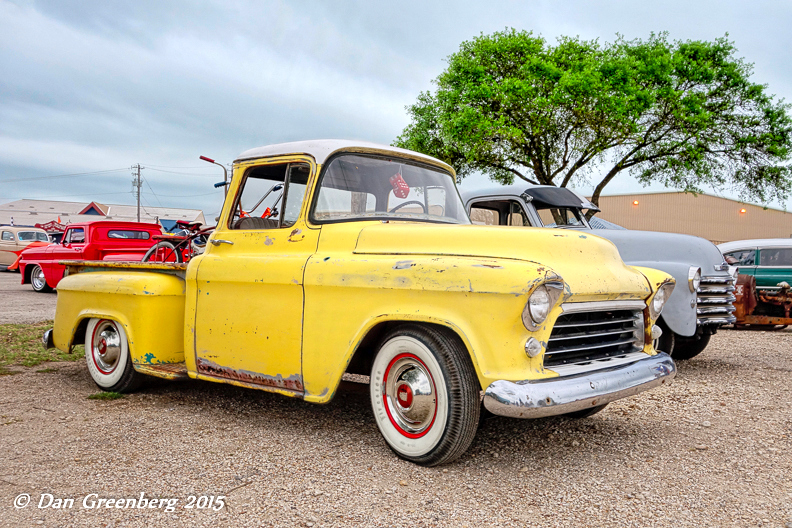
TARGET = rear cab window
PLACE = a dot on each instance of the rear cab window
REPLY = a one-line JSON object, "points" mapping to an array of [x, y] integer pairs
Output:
{"points": [[7, 236], [128, 234]]}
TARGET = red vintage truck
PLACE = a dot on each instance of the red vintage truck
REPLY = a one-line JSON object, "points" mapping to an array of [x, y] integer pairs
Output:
{"points": [[101, 240]]}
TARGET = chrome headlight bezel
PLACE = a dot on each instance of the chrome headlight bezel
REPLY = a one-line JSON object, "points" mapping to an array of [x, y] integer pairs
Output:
{"points": [[660, 299], [546, 296], [694, 278], [734, 271]]}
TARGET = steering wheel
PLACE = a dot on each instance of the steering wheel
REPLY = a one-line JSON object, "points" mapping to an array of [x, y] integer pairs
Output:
{"points": [[411, 202]]}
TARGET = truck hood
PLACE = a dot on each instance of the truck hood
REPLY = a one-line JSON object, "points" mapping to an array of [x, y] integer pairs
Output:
{"points": [[647, 247], [590, 266]]}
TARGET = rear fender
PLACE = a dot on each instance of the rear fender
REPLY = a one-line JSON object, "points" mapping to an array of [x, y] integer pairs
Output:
{"points": [[150, 307]]}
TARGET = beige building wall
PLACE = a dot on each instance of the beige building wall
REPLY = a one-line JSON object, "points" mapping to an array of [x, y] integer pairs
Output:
{"points": [[711, 217]]}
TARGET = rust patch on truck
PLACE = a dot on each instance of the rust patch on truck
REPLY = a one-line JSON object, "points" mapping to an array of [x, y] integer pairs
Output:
{"points": [[210, 368]]}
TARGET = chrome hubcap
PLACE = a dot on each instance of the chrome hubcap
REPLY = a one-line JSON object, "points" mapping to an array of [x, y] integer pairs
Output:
{"points": [[39, 280], [106, 347], [410, 394]]}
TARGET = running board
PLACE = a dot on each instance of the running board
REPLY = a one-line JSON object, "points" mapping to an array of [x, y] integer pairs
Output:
{"points": [[171, 371]]}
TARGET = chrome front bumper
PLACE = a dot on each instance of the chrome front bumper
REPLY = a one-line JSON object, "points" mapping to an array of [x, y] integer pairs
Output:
{"points": [[554, 396]]}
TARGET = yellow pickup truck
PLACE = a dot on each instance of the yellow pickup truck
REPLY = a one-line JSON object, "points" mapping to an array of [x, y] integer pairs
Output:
{"points": [[334, 257]]}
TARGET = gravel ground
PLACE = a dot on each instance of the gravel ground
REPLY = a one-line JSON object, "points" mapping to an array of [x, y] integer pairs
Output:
{"points": [[712, 449], [20, 304]]}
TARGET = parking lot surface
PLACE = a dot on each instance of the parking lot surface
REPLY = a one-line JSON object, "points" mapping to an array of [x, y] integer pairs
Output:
{"points": [[20, 304], [712, 449]]}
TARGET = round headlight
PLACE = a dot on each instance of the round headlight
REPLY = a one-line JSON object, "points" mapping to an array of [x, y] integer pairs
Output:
{"points": [[539, 304], [659, 300], [694, 278]]}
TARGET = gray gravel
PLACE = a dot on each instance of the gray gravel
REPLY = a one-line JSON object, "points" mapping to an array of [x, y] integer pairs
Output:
{"points": [[712, 449], [20, 304]]}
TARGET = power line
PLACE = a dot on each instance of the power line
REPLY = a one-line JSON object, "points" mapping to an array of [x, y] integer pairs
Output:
{"points": [[192, 195], [69, 195], [177, 167], [152, 191], [61, 175], [183, 173]]}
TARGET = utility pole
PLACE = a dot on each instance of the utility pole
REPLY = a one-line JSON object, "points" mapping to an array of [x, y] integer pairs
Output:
{"points": [[136, 185]]}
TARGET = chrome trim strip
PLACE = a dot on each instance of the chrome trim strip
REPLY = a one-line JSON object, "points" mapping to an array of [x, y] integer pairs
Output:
{"points": [[554, 396], [716, 280], [596, 323], [584, 335], [601, 306], [716, 320], [597, 364], [716, 299], [565, 350], [710, 290], [704, 310]]}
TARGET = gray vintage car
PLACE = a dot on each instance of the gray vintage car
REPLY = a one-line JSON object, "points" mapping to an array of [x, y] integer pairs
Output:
{"points": [[702, 300]]}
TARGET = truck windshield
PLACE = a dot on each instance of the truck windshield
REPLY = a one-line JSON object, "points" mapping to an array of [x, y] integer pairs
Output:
{"points": [[561, 217], [357, 187]]}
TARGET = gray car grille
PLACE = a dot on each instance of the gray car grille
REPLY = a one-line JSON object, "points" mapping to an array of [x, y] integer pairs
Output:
{"points": [[594, 337], [714, 299]]}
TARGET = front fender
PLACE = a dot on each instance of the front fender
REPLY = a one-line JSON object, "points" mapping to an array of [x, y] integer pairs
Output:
{"points": [[150, 307], [480, 300], [678, 313]]}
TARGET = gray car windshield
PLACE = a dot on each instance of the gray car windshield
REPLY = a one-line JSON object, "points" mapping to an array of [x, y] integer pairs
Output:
{"points": [[355, 187]]}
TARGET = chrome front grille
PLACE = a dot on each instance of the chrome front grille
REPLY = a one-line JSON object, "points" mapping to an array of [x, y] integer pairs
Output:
{"points": [[589, 336], [714, 299]]}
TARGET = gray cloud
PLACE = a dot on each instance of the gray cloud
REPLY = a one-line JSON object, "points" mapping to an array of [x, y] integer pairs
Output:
{"points": [[100, 85]]}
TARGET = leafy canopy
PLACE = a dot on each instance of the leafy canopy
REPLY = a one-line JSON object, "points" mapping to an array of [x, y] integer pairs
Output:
{"points": [[684, 114]]}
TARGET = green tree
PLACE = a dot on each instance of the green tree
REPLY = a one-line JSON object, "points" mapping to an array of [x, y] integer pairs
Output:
{"points": [[684, 114]]}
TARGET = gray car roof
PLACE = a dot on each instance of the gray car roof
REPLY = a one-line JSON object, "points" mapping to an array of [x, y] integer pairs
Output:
{"points": [[321, 149], [514, 189]]}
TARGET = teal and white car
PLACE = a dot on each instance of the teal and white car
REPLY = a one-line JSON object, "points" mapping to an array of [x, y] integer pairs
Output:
{"points": [[767, 259]]}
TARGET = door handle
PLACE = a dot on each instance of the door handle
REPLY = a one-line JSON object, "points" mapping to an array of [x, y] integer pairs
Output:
{"points": [[217, 242]]}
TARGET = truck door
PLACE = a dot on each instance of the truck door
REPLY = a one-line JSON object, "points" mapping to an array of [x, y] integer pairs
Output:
{"points": [[249, 282], [70, 248]]}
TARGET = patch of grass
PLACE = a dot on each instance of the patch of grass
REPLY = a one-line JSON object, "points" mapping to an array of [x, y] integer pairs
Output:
{"points": [[105, 396], [20, 344], [47, 370]]}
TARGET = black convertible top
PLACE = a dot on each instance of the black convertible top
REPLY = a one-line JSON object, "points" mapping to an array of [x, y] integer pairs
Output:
{"points": [[557, 197]]}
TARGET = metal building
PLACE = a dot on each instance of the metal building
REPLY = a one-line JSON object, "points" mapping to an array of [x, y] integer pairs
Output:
{"points": [[712, 217]]}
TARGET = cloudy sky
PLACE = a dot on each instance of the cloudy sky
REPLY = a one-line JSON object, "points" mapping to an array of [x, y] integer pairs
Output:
{"points": [[90, 88]]}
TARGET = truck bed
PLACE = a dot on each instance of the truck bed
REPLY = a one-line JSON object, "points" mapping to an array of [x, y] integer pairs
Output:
{"points": [[82, 266]]}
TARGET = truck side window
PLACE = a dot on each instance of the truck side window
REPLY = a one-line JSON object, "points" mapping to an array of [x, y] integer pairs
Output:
{"points": [[743, 257], [75, 236], [7, 236], [258, 206]]}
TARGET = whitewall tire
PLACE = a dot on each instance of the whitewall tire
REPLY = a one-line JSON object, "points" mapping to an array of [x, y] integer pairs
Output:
{"points": [[107, 356], [424, 394]]}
